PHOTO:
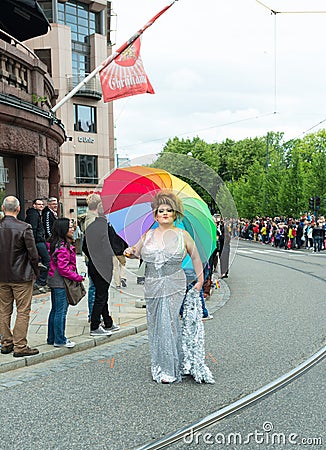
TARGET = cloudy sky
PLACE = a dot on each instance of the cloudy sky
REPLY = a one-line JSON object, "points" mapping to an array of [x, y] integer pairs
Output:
{"points": [[223, 69]]}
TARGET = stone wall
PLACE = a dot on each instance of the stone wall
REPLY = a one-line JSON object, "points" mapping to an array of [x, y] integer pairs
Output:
{"points": [[28, 129]]}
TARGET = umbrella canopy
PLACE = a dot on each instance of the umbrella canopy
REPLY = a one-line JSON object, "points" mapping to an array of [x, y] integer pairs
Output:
{"points": [[23, 19], [127, 194]]}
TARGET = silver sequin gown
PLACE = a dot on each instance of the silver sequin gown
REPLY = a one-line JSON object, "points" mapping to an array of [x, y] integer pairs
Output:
{"points": [[165, 287]]}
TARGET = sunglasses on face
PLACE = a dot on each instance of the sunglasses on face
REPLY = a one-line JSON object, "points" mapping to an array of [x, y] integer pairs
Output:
{"points": [[161, 210]]}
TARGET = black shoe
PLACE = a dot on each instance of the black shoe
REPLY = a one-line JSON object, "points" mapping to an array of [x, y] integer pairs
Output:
{"points": [[123, 282], [37, 289], [7, 349], [27, 352]]}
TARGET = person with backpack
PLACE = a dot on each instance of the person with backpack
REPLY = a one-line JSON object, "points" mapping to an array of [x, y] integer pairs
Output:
{"points": [[98, 249]]}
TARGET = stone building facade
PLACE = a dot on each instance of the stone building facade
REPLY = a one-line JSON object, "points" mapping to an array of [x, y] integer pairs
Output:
{"points": [[78, 42], [30, 134]]}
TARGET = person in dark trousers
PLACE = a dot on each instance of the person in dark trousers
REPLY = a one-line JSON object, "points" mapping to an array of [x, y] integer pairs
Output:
{"points": [[33, 217], [299, 240], [99, 252], [318, 236], [49, 215], [224, 249], [19, 258]]}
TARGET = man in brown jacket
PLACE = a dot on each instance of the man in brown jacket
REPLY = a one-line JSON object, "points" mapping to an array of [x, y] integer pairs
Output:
{"points": [[19, 258]]}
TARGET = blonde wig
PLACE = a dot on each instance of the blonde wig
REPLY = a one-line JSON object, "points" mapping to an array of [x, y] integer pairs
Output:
{"points": [[167, 197]]}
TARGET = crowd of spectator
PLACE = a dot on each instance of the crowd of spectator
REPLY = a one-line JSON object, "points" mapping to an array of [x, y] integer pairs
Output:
{"points": [[307, 232]]}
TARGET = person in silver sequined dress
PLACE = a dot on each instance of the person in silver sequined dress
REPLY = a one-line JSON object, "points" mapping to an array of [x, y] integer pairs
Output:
{"points": [[163, 249]]}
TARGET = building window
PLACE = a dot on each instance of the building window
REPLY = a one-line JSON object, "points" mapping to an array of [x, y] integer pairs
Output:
{"points": [[81, 206], [85, 118], [45, 56], [9, 176], [80, 64], [47, 8], [81, 20], [86, 169], [82, 23]]}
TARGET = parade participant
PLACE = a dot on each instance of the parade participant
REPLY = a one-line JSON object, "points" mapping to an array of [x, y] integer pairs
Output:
{"points": [[20, 264], [162, 250], [62, 265], [224, 249]]}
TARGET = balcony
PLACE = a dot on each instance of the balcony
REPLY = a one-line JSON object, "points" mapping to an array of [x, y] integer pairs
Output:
{"points": [[27, 93], [23, 75], [92, 89]]}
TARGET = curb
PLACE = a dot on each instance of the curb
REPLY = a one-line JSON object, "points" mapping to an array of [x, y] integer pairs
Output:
{"points": [[85, 343]]}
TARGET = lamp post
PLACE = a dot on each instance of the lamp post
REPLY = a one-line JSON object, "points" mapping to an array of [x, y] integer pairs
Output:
{"points": [[266, 170]]}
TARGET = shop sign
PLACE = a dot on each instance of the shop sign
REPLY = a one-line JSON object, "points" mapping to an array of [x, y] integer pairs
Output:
{"points": [[83, 193], [85, 139]]}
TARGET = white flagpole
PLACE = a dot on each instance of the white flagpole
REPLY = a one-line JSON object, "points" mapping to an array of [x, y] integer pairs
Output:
{"points": [[109, 59], [82, 83]]}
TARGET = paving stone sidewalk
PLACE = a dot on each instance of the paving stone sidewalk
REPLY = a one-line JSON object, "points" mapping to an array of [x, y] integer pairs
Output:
{"points": [[122, 306]]}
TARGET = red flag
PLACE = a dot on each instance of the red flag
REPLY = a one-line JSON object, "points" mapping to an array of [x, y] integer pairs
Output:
{"points": [[125, 75], [132, 78]]}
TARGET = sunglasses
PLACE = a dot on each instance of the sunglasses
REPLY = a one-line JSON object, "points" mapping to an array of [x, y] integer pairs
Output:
{"points": [[161, 211]]}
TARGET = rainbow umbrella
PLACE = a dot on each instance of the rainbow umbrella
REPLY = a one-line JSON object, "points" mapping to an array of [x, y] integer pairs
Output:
{"points": [[127, 194]]}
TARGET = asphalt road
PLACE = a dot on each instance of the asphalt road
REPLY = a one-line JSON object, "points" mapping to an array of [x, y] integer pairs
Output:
{"points": [[292, 417], [104, 398]]}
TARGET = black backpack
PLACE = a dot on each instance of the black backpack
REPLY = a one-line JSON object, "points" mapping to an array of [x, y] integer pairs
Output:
{"points": [[118, 244]]}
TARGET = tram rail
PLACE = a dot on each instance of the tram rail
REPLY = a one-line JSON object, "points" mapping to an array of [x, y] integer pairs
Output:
{"points": [[249, 399]]}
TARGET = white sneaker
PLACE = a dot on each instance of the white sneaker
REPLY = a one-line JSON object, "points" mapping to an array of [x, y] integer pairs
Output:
{"points": [[100, 332], [68, 344], [114, 327]]}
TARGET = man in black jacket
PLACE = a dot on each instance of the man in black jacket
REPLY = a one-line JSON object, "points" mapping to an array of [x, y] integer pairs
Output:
{"points": [[98, 249], [49, 215], [33, 217], [19, 258]]}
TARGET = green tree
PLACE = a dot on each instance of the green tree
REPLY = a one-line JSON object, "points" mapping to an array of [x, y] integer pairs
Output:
{"points": [[266, 175], [248, 192]]}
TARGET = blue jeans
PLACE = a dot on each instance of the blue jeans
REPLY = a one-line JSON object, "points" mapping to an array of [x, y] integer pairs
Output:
{"points": [[91, 296], [45, 259], [57, 317], [318, 242]]}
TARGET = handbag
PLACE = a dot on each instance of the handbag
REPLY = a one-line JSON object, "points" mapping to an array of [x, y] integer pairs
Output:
{"points": [[75, 291]]}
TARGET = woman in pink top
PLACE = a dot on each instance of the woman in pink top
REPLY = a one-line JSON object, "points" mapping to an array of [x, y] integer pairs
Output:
{"points": [[62, 265]]}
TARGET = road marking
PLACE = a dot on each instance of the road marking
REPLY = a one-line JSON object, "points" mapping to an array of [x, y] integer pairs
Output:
{"points": [[209, 355], [276, 252]]}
